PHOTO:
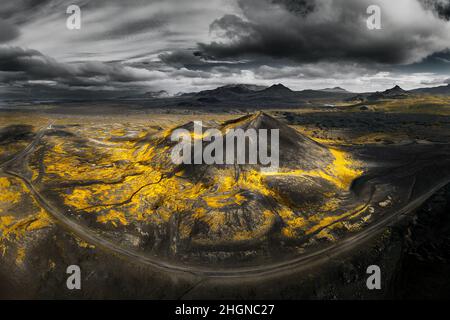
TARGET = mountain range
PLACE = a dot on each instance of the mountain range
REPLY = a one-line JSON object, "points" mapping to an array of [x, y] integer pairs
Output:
{"points": [[246, 96], [278, 95], [243, 95]]}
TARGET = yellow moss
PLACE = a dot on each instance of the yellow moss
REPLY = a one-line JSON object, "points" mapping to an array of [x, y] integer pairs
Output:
{"points": [[296, 223], [330, 220], [79, 198], [293, 223], [4, 182], [331, 205], [114, 217], [341, 172], [6, 221], [118, 132], [42, 221], [250, 180], [8, 193], [254, 181], [199, 213], [343, 168], [326, 234], [323, 140], [222, 200], [83, 244], [262, 229], [58, 148], [216, 220], [20, 257], [15, 230], [288, 232]]}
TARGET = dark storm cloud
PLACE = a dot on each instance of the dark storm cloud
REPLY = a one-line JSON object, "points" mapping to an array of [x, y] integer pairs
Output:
{"points": [[311, 71], [328, 31], [442, 7], [181, 58], [195, 60], [301, 7], [18, 65], [437, 63], [8, 31], [190, 64], [22, 11], [232, 27], [139, 45], [30, 63], [138, 26], [443, 10]]}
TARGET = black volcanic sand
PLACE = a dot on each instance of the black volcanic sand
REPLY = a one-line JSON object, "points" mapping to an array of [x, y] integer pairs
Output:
{"points": [[347, 126], [408, 237]]}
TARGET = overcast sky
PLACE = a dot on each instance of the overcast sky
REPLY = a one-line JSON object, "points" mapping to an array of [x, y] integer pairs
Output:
{"points": [[133, 46]]}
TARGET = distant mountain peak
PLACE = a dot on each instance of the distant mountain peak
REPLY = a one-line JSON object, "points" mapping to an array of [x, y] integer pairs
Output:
{"points": [[231, 90], [395, 89], [395, 92], [335, 89], [245, 86], [278, 88]]}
